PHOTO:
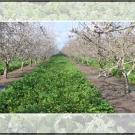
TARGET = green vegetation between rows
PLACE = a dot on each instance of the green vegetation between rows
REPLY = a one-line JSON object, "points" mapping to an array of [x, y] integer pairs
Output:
{"points": [[115, 72], [57, 86], [15, 64]]}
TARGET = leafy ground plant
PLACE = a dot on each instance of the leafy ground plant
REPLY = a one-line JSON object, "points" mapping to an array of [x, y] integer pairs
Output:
{"points": [[55, 87]]}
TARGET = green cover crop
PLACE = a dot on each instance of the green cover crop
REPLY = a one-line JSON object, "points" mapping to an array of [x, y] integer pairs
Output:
{"points": [[54, 87]]}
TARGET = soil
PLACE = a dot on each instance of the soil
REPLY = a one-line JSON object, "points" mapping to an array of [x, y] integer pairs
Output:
{"points": [[112, 89], [15, 75]]}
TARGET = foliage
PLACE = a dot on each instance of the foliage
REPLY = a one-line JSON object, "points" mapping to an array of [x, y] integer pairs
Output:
{"points": [[57, 86]]}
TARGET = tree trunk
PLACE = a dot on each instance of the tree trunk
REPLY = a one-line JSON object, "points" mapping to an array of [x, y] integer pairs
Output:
{"points": [[87, 61], [36, 61], [6, 70], [31, 62], [127, 90], [82, 60], [22, 65]]}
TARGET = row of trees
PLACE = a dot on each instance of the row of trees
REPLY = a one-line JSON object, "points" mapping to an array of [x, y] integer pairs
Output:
{"points": [[106, 41], [25, 41]]}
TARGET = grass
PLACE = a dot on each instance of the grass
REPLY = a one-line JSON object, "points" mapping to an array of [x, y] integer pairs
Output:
{"points": [[91, 62], [115, 72], [55, 87], [15, 64]]}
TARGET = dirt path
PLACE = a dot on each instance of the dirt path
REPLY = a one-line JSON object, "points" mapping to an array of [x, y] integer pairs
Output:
{"points": [[112, 90], [15, 75]]}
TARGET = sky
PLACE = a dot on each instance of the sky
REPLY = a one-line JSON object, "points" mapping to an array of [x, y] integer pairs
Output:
{"points": [[61, 30]]}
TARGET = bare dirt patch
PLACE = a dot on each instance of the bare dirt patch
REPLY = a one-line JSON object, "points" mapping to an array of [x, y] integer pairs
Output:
{"points": [[16, 75], [112, 89]]}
